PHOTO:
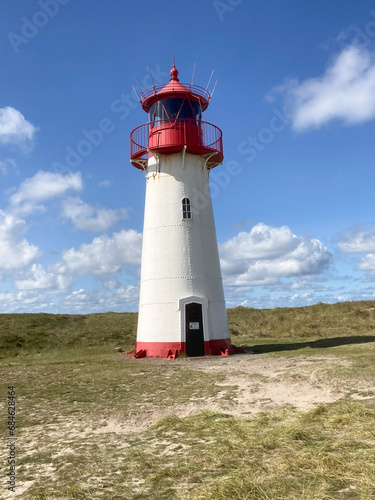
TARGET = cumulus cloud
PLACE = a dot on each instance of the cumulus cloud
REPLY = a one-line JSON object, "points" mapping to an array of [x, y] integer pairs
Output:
{"points": [[296, 300], [356, 240], [40, 279], [104, 255], [24, 301], [14, 128], [42, 186], [346, 92], [95, 300], [266, 254], [15, 251], [89, 218], [368, 263], [299, 284]]}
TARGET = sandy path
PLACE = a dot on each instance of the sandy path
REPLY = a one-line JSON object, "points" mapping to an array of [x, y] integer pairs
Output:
{"points": [[256, 383]]}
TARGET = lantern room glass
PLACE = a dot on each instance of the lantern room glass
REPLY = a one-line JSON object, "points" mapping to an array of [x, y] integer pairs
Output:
{"points": [[174, 109]]}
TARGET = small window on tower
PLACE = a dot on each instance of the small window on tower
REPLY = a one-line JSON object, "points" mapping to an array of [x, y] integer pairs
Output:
{"points": [[186, 208]]}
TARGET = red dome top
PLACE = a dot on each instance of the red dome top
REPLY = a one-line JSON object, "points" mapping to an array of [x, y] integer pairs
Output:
{"points": [[174, 73], [174, 89], [174, 84]]}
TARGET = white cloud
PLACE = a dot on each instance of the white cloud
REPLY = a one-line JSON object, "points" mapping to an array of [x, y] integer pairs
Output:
{"points": [[355, 240], [42, 186], [14, 128], [40, 279], [105, 184], [15, 251], [346, 91], [104, 255], [262, 242], [368, 263], [6, 166], [89, 218], [23, 301], [95, 300], [298, 284], [112, 285], [265, 254]]}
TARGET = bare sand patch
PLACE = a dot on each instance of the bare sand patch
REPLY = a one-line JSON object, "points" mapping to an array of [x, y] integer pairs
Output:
{"points": [[251, 385]]}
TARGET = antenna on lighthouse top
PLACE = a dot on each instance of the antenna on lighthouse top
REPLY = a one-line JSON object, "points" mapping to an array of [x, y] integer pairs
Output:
{"points": [[209, 81], [213, 90], [152, 78], [135, 92], [136, 81], [192, 78]]}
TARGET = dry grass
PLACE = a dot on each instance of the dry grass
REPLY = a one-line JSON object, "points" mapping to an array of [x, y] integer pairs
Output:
{"points": [[30, 333], [93, 424], [321, 321]]}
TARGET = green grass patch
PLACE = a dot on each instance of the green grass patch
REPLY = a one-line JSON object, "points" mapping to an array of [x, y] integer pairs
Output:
{"points": [[30, 333], [320, 321], [22, 334]]}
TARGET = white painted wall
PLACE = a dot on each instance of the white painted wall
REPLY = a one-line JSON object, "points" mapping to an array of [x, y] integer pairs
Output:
{"points": [[180, 256]]}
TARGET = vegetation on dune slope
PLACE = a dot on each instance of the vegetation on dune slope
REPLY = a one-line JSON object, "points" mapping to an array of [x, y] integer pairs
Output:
{"points": [[22, 333], [320, 320]]}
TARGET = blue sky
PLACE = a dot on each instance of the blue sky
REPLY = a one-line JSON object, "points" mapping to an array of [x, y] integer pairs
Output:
{"points": [[293, 200]]}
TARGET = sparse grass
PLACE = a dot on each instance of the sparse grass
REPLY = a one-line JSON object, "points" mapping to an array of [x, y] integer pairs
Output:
{"points": [[32, 333], [319, 321], [326, 453], [98, 384], [94, 424]]}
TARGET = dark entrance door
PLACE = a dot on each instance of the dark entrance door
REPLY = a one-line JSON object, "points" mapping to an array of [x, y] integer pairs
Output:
{"points": [[194, 330]]}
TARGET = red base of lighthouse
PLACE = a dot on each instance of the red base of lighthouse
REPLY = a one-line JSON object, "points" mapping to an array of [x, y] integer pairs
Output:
{"points": [[214, 347]]}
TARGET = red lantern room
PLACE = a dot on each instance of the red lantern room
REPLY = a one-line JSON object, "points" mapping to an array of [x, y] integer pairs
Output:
{"points": [[175, 122]]}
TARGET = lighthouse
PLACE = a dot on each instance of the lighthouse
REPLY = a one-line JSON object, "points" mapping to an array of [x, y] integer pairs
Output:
{"points": [[181, 306]]}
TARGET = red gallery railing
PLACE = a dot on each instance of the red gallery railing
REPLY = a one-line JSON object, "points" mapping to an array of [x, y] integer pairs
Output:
{"points": [[170, 136]]}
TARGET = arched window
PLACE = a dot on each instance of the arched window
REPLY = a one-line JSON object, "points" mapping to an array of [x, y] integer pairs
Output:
{"points": [[186, 208]]}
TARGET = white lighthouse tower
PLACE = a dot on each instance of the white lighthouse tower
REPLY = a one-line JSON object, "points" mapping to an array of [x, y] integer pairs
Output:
{"points": [[181, 307]]}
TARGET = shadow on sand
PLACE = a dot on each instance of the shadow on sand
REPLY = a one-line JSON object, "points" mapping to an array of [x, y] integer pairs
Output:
{"points": [[315, 344]]}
